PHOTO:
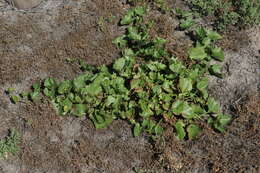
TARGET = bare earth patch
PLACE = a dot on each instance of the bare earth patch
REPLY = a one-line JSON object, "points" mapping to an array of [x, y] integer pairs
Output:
{"points": [[35, 44]]}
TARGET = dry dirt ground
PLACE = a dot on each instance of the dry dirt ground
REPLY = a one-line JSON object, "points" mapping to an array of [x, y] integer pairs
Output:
{"points": [[35, 44]]}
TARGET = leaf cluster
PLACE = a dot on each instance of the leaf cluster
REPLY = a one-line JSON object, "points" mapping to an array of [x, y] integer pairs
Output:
{"points": [[240, 13], [186, 18], [205, 50]]}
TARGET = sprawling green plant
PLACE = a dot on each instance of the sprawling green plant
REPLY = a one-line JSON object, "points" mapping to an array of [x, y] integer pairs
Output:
{"points": [[186, 18], [147, 86], [9, 145], [232, 12]]}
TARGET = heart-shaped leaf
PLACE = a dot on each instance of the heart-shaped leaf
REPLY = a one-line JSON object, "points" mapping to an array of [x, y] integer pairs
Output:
{"points": [[133, 33], [217, 53], [49, 83], [202, 84], [213, 35], [119, 64], [183, 108], [197, 109], [185, 85], [137, 130], [221, 121], [193, 131], [201, 33], [120, 41], [179, 127], [178, 107], [128, 18], [15, 99], [216, 70], [79, 110], [186, 23], [64, 87], [158, 130], [140, 10], [176, 67], [197, 53], [213, 106]]}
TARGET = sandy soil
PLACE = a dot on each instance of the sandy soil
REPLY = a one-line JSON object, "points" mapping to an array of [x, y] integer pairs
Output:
{"points": [[34, 44]]}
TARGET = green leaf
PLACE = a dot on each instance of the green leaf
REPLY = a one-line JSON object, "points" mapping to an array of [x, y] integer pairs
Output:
{"points": [[223, 119], [67, 105], [49, 92], [179, 126], [57, 106], [15, 99], [24, 95], [213, 35], [185, 85], [119, 64], [183, 13], [49, 83], [221, 122], [210, 121], [150, 126], [188, 111], [78, 99], [202, 84], [159, 42], [217, 53], [176, 67], [193, 131], [120, 41], [128, 53], [213, 106], [158, 130], [137, 130], [167, 86], [133, 33], [197, 53], [79, 110], [216, 70], [186, 23], [101, 120], [79, 82], [201, 33], [146, 112], [136, 83], [197, 109], [140, 10], [64, 87], [205, 94], [145, 123], [36, 87], [92, 89], [206, 41], [178, 107], [10, 90], [34, 96], [128, 18], [182, 108]]}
